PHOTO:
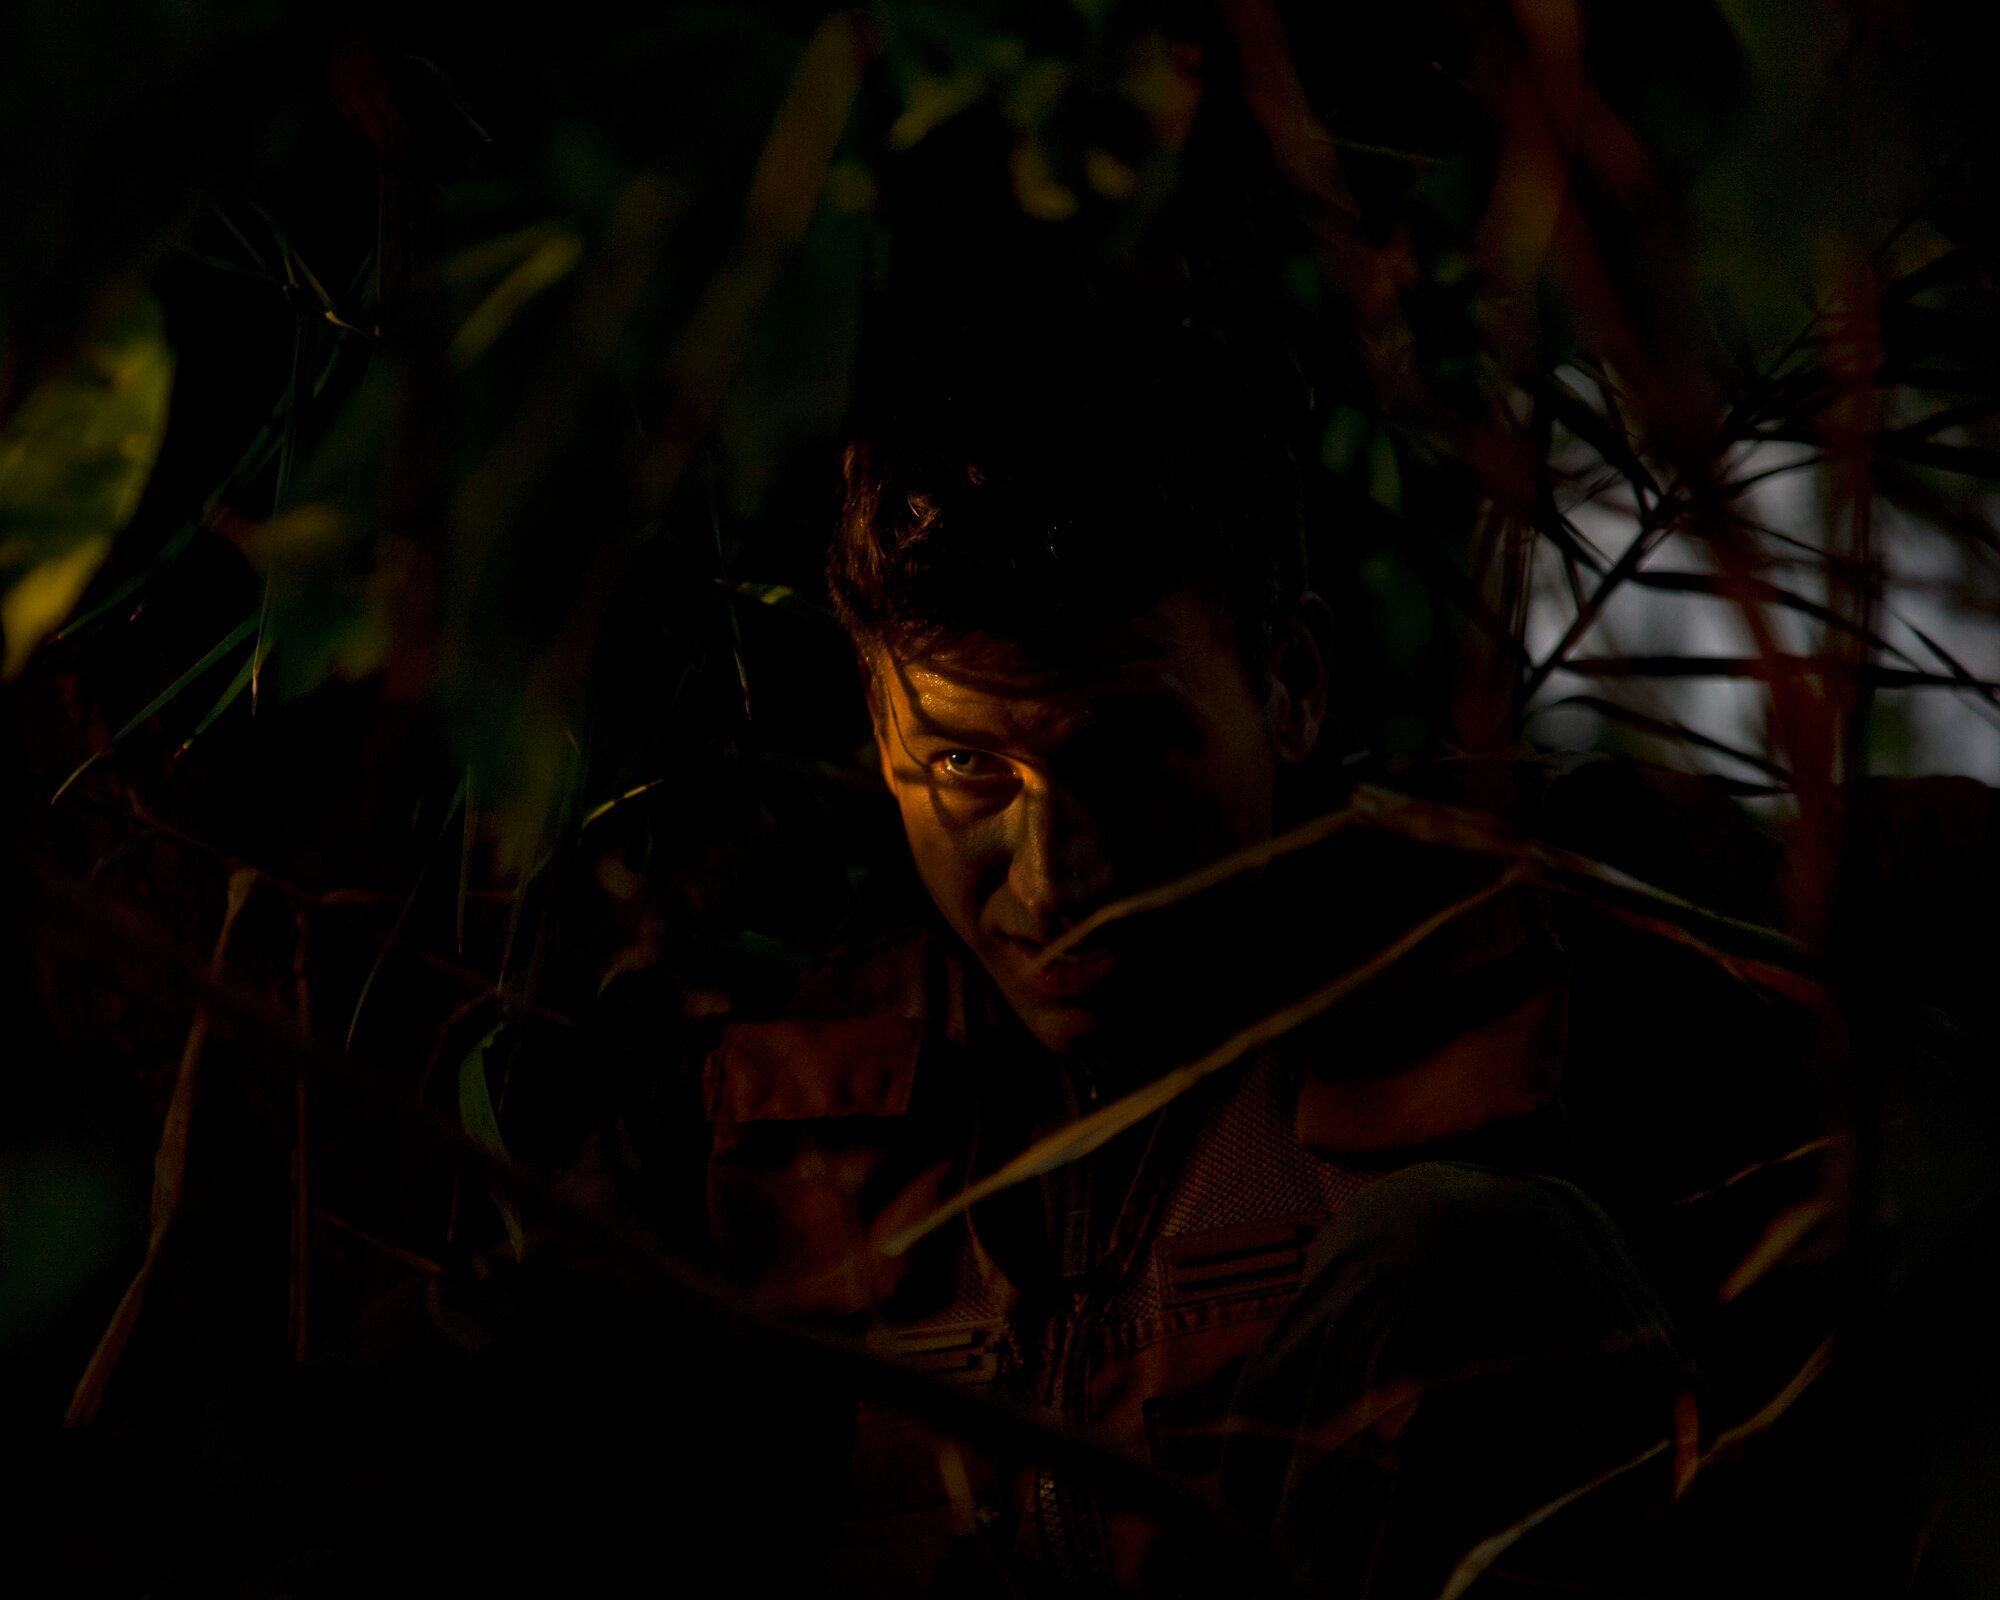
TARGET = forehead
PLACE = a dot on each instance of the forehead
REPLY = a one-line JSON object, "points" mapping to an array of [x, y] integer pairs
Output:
{"points": [[1180, 651]]}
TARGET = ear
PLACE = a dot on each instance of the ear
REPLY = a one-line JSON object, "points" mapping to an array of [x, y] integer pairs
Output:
{"points": [[1299, 669]]}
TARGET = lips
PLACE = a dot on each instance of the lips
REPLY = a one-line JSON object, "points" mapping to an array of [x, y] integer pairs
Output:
{"points": [[1069, 976]]}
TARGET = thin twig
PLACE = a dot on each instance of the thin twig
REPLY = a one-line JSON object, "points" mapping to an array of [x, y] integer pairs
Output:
{"points": [[156, 965], [1077, 1139], [169, 1170]]}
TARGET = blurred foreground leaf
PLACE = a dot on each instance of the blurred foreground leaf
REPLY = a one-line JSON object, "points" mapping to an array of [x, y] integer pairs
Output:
{"points": [[58, 1228], [74, 460], [781, 597], [236, 636], [481, 1123], [169, 1175]]}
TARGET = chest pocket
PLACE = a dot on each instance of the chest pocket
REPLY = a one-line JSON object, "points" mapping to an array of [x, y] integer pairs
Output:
{"points": [[1238, 1214], [811, 1148], [1253, 1258]]}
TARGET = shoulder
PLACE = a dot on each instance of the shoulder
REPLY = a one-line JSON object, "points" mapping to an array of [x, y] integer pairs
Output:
{"points": [[823, 1137], [847, 1041], [1452, 1218], [1442, 1245]]}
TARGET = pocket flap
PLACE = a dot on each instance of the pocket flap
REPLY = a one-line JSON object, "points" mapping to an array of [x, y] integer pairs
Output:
{"points": [[797, 1071]]}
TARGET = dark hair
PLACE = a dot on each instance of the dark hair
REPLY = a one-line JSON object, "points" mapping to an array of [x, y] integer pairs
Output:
{"points": [[1045, 483]]}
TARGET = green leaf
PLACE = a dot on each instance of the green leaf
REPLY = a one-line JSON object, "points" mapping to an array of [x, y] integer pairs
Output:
{"points": [[74, 460], [160, 701], [1677, 732], [482, 1125], [545, 266], [1575, 414], [258, 456], [780, 597], [1764, 667], [223, 702], [396, 928], [1708, 583]]}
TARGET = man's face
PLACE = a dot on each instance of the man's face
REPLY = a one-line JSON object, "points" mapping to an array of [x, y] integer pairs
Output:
{"points": [[1036, 788]]}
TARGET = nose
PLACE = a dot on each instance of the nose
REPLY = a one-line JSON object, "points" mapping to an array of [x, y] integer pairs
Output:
{"points": [[1061, 868]]}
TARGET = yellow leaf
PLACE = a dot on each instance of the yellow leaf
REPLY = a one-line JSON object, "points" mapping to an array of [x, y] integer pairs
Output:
{"points": [[546, 265], [74, 460], [35, 605]]}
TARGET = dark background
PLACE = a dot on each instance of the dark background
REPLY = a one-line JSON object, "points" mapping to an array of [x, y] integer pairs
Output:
{"points": [[476, 385]]}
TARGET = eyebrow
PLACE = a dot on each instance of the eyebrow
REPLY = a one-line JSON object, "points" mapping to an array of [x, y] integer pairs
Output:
{"points": [[1155, 705], [972, 738], [922, 725]]}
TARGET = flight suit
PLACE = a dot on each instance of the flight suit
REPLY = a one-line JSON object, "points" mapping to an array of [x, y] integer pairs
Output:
{"points": [[1152, 1295]]}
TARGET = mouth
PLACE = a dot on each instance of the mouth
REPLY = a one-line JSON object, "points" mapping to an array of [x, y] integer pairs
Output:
{"points": [[1071, 975]]}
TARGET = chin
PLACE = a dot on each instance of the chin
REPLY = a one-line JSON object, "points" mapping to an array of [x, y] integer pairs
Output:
{"points": [[1056, 1026], [1065, 1032], [1077, 1030]]}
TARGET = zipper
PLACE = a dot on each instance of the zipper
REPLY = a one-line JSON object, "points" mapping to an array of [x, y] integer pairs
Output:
{"points": [[1071, 1541]]}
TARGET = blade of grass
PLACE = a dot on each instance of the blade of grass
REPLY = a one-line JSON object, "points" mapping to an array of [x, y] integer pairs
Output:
{"points": [[1652, 528], [1969, 460], [554, 259], [521, 999], [169, 1172], [241, 238], [402, 916], [1744, 421], [728, 600], [466, 842], [1938, 380], [154, 564], [159, 702], [303, 335], [1706, 583], [1569, 541], [615, 801], [1962, 260], [482, 1125], [1949, 417], [788, 600], [1475, 1562], [224, 701], [1776, 959], [1217, 872], [1765, 668], [545, 853], [1077, 1139], [1921, 500], [1738, 944], [1809, 1148], [293, 263], [1959, 672], [660, 1283], [224, 264], [248, 466], [497, 254], [449, 90], [1575, 414], [1779, 1239], [1664, 729], [395, 1252], [1732, 1439]]}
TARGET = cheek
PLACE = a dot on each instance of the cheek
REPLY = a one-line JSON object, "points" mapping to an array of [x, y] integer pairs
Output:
{"points": [[1249, 759], [959, 864], [1220, 802]]}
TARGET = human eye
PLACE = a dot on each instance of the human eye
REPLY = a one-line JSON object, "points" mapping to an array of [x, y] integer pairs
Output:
{"points": [[971, 766]]}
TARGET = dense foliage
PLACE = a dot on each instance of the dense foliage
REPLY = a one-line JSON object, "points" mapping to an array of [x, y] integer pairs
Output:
{"points": [[418, 441]]}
